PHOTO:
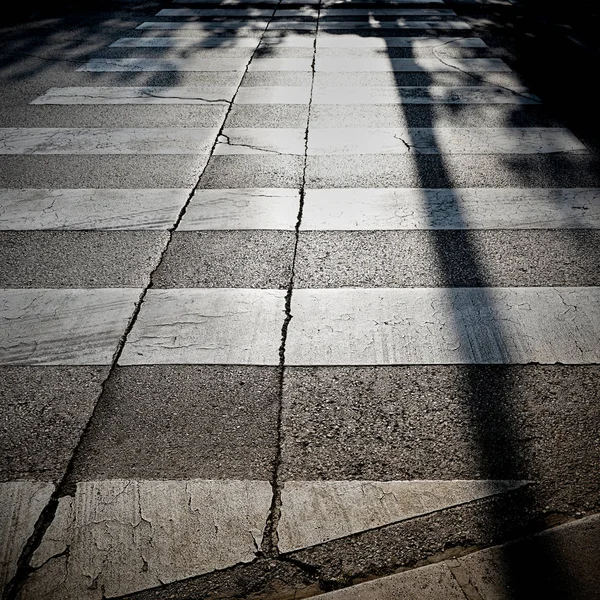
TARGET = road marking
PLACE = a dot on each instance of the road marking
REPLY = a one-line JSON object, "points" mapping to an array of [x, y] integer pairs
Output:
{"points": [[254, 140], [186, 42], [397, 24], [126, 536], [359, 12], [315, 512], [21, 503], [207, 326], [442, 140], [239, 26], [139, 95], [357, 41], [416, 326], [215, 12], [411, 65], [86, 209], [107, 140], [259, 208], [476, 208], [63, 326], [422, 95], [133, 65], [281, 64], [273, 95], [327, 3]]}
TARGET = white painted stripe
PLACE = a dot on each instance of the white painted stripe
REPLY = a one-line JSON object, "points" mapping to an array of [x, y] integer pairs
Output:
{"points": [[215, 12], [285, 40], [467, 65], [77, 209], [139, 95], [63, 326], [186, 42], [326, 3], [444, 326], [397, 24], [207, 326], [241, 140], [250, 208], [359, 12], [102, 65], [21, 503], [314, 512], [292, 25], [239, 26], [281, 64], [105, 140], [357, 41], [446, 140], [273, 95], [135, 535], [422, 95], [476, 208]]}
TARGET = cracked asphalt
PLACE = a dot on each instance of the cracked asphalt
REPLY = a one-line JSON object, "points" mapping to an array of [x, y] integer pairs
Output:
{"points": [[250, 248]]}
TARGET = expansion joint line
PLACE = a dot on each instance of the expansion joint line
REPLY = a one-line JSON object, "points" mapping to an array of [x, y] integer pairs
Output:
{"points": [[13, 588], [270, 537]]}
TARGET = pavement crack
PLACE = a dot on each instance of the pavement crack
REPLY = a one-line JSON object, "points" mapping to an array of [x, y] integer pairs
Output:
{"points": [[270, 537], [408, 146], [228, 142]]}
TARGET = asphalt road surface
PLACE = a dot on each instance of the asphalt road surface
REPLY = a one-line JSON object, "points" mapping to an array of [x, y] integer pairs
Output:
{"points": [[293, 294]]}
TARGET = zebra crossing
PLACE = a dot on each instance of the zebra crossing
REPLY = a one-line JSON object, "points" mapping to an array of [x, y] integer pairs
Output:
{"points": [[284, 249]]}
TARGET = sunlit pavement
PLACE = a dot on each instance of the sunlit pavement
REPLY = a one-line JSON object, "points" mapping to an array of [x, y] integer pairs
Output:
{"points": [[296, 295]]}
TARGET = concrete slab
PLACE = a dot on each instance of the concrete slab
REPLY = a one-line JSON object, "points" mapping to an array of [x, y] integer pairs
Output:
{"points": [[182, 422], [227, 259], [207, 326], [29, 209], [63, 327]]}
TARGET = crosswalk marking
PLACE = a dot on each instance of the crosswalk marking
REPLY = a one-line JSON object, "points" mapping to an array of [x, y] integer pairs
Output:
{"points": [[253, 140], [422, 95], [215, 12], [314, 512], [273, 95], [30, 209], [207, 326], [164, 64], [206, 26], [444, 326], [374, 24], [186, 42], [303, 12], [21, 503], [63, 326], [323, 3], [138, 95], [270, 208], [447, 140], [105, 140], [477, 208], [467, 65], [382, 42]]}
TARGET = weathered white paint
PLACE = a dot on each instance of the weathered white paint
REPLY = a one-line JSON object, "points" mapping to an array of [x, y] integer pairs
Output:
{"points": [[281, 64], [474, 208], [314, 512], [408, 326], [382, 43], [215, 12], [21, 504], [127, 536], [187, 42], [443, 140], [372, 23], [250, 208], [139, 95], [77, 209], [364, 12], [107, 140], [238, 26], [63, 326], [411, 65], [192, 64], [421, 95], [273, 95], [207, 326], [242, 140]]}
